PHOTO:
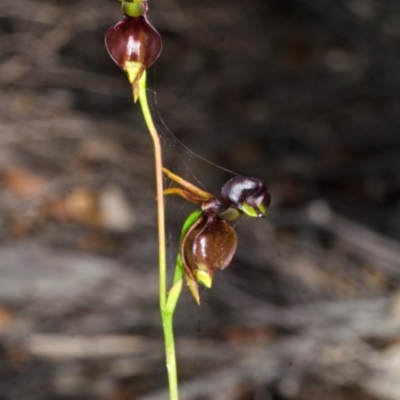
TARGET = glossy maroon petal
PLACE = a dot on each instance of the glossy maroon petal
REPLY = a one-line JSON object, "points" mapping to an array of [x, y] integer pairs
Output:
{"points": [[133, 39], [215, 245], [210, 245]]}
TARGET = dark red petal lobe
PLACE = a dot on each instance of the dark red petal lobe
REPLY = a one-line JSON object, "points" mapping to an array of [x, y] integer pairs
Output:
{"points": [[133, 39], [215, 245]]}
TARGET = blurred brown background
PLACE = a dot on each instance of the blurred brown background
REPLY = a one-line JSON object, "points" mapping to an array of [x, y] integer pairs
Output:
{"points": [[301, 93]]}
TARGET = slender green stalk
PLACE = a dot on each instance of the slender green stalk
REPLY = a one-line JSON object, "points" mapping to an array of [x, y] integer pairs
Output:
{"points": [[159, 188], [166, 307], [170, 355]]}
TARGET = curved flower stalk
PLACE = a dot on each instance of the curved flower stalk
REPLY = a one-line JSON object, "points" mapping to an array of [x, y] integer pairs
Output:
{"points": [[134, 45]]}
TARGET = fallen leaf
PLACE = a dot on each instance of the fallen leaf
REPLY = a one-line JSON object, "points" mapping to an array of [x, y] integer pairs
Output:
{"points": [[22, 183], [6, 319], [79, 205], [115, 211]]}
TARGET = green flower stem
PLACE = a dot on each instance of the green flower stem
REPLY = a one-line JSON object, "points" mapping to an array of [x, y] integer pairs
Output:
{"points": [[168, 312], [167, 308], [159, 188]]}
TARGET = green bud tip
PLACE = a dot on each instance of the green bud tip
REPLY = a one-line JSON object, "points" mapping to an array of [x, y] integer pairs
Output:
{"points": [[134, 8], [203, 277]]}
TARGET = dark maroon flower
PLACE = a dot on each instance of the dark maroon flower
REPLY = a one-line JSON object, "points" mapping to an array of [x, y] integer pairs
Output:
{"points": [[207, 247], [133, 44]]}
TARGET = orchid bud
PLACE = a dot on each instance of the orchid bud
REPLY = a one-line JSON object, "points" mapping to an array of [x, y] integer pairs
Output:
{"points": [[249, 195], [208, 247], [133, 43]]}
